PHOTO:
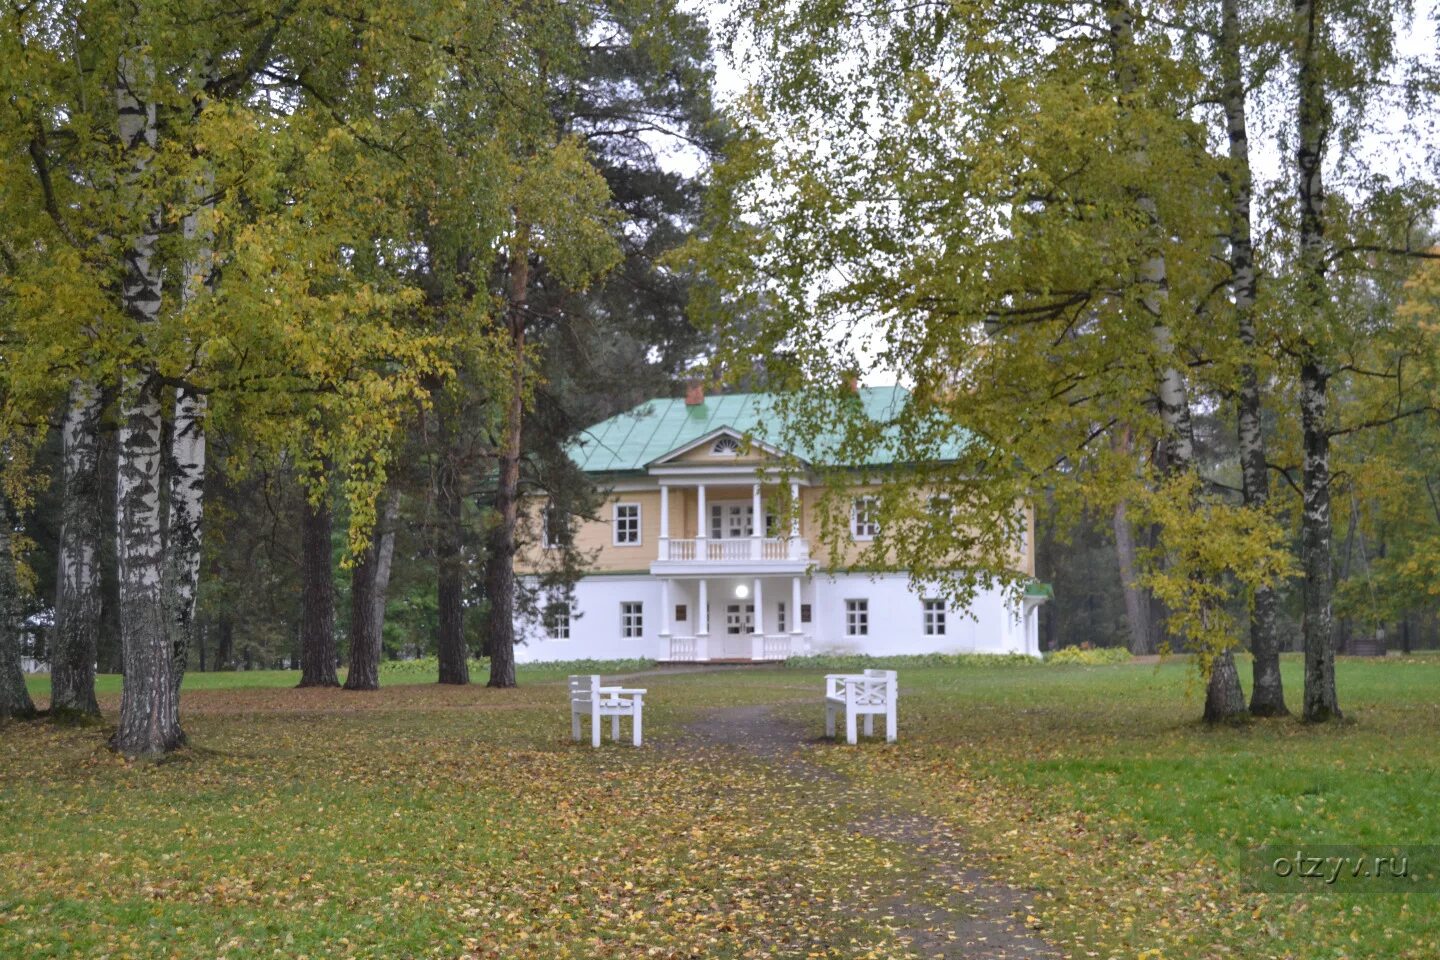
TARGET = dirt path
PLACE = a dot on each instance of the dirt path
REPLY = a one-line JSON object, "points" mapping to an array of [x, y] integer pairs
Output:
{"points": [[963, 914]]}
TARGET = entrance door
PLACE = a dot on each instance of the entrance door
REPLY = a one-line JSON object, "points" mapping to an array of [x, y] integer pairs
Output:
{"points": [[739, 624]]}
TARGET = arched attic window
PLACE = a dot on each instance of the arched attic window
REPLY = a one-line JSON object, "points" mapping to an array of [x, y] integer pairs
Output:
{"points": [[725, 447]]}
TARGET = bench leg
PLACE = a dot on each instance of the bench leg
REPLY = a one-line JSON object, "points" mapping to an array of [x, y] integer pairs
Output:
{"points": [[849, 727], [575, 726], [869, 724], [615, 728], [830, 721], [890, 724], [595, 728], [635, 729]]}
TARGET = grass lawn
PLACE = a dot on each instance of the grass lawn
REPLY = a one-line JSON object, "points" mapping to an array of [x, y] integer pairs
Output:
{"points": [[462, 822]]}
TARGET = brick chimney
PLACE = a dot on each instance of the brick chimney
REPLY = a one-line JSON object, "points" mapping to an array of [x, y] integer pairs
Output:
{"points": [[694, 393]]}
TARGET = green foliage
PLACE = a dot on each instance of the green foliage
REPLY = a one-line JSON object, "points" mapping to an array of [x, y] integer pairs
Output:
{"points": [[848, 662], [1089, 656]]}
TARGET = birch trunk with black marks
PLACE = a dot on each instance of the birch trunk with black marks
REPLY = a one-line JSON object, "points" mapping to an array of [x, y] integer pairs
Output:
{"points": [[500, 571], [187, 448], [187, 504], [1320, 701], [15, 702], [1267, 698], [149, 705], [1223, 696], [317, 597], [77, 581]]}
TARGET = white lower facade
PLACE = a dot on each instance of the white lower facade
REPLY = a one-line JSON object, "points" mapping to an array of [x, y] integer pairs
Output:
{"points": [[731, 617]]}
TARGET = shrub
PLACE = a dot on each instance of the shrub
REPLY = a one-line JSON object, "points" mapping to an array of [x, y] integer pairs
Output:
{"points": [[1089, 656], [427, 667], [856, 662]]}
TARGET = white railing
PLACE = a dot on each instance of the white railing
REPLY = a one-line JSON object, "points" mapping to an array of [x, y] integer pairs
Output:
{"points": [[735, 549], [683, 649], [775, 646]]}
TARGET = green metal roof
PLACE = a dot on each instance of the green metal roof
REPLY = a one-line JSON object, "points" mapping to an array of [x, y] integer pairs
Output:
{"points": [[632, 440]]}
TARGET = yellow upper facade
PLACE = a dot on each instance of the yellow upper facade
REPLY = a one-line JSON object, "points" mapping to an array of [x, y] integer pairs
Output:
{"points": [[691, 489]]}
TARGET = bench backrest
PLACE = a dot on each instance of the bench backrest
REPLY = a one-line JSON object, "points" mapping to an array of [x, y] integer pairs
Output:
{"points": [[871, 688], [584, 686]]}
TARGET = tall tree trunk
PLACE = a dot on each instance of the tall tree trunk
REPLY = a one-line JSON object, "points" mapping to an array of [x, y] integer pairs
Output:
{"points": [[149, 706], [15, 700], [1137, 607], [453, 652], [110, 654], [225, 643], [1267, 699], [1224, 700], [1321, 702], [369, 579], [187, 444], [317, 597], [364, 639], [385, 556], [187, 504], [500, 570], [77, 582]]}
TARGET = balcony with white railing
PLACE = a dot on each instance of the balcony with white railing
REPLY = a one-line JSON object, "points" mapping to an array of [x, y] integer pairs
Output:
{"points": [[734, 550]]}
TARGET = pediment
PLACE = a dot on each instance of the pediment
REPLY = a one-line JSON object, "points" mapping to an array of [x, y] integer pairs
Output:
{"points": [[720, 447]]}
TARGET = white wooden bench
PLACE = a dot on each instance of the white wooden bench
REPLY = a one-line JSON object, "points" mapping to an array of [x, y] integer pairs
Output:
{"points": [[589, 699], [867, 695]]}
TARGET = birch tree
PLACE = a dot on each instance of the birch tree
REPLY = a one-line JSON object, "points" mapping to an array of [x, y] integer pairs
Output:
{"points": [[149, 699], [77, 600]]}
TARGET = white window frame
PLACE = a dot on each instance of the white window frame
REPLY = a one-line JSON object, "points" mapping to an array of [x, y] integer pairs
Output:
{"points": [[857, 617], [556, 628], [615, 524], [870, 506], [780, 617], [632, 619], [933, 613]]}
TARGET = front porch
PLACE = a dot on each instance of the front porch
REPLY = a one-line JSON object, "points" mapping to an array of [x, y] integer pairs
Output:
{"points": [[707, 619]]}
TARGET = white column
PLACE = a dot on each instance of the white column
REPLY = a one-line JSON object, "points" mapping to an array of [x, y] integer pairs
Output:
{"points": [[702, 620], [664, 522], [794, 551], [665, 610], [757, 532], [757, 639], [795, 606], [702, 523]]}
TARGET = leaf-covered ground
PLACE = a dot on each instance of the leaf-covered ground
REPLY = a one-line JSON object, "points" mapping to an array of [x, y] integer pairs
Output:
{"points": [[442, 822]]}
